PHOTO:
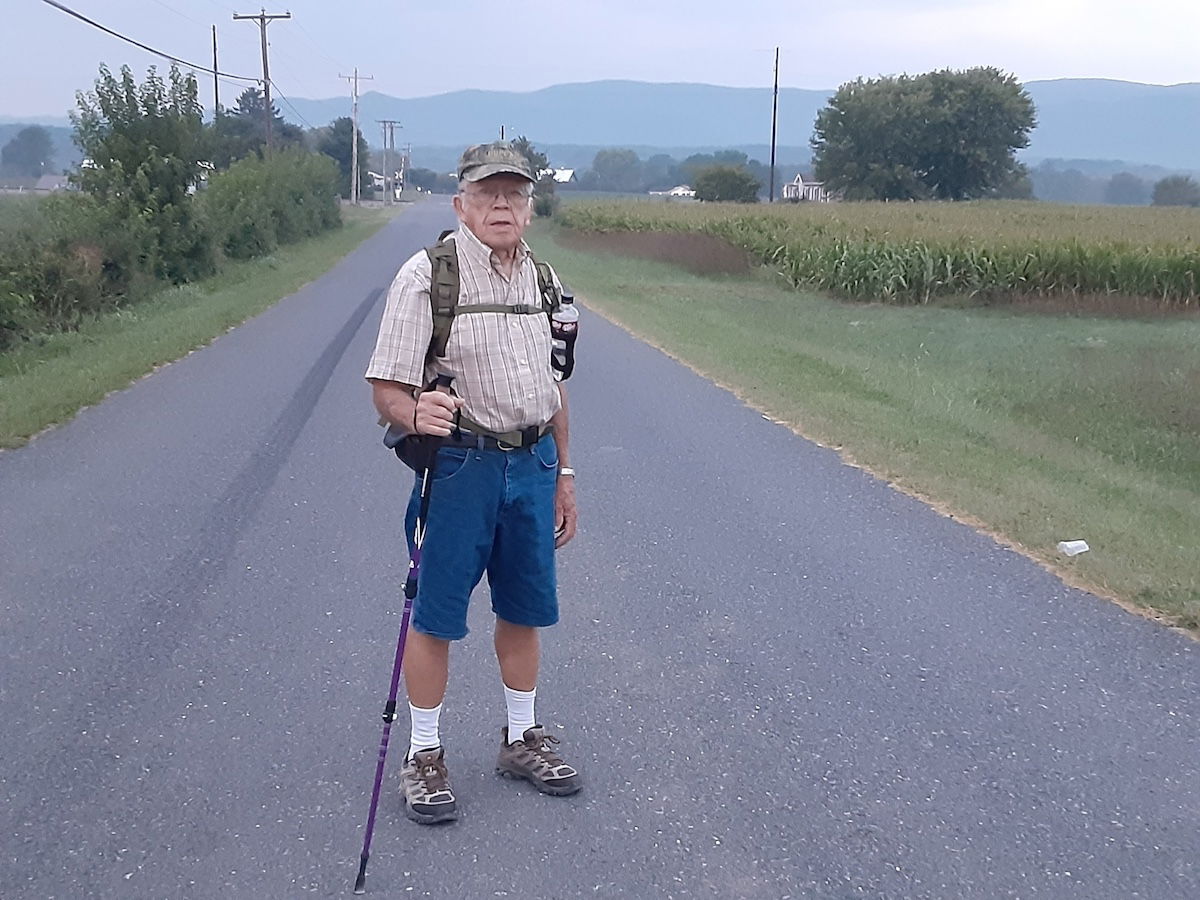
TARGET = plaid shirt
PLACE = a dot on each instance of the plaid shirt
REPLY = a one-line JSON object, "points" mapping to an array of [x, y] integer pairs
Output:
{"points": [[500, 361]]}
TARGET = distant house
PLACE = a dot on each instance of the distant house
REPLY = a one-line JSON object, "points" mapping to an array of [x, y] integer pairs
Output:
{"points": [[799, 190], [51, 183], [680, 191], [560, 176]]}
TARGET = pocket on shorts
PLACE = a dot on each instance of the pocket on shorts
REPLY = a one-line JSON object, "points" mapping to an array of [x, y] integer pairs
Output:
{"points": [[547, 453], [450, 461]]}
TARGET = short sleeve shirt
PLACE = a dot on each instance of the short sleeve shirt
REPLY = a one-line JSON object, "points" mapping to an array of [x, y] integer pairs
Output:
{"points": [[500, 361]]}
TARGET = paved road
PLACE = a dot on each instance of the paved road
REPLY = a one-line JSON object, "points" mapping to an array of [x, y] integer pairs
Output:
{"points": [[781, 678]]}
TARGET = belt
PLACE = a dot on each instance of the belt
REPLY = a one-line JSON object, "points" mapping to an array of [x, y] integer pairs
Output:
{"points": [[509, 440]]}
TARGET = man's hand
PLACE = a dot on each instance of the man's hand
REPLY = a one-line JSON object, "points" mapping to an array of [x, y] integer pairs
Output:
{"points": [[434, 413], [564, 511]]}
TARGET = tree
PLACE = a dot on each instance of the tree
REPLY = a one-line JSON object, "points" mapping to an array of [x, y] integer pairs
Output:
{"points": [[660, 173], [726, 184], [1126, 189], [946, 135], [336, 143], [1065, 186], [242, 131], [142, 146], [617, 170], [429, 180], [545, 201], [1018, 186], [30, 152], [1177, 190]]}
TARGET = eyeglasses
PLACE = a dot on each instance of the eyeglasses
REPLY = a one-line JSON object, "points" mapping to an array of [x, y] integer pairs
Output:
{"points": [[514, 196]]}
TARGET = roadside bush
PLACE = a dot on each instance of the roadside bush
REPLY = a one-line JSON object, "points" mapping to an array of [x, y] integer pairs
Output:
{"points": [[258, 204], [74, 255], [70, 256]]}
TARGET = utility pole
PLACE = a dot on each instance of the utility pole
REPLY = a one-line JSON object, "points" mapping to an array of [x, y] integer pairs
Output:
{"points": [[774, 117], [389, 144], [354, 179], [216, 80], [264, 20]]}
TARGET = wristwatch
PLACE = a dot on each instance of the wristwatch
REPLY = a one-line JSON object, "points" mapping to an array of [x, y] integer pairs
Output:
{"points": [[566, 470]]}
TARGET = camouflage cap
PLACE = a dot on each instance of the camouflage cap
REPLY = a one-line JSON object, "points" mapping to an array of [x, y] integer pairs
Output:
{"points": [[498, 158]]}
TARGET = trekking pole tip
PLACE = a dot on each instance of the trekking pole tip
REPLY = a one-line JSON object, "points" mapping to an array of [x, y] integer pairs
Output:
{"points": [[360, 883]]}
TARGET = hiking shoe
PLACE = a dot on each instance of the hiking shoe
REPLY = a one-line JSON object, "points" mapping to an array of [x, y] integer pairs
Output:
{"points": [[427, 795], [533, 758]]}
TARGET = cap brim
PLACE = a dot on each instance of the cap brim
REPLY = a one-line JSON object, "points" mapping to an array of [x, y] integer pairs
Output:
{"points": [[478, 173]]}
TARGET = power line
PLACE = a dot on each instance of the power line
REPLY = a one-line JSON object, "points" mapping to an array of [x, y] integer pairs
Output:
{"points": [[289, 103], [147, 48], [180, 14], [308, 37]]}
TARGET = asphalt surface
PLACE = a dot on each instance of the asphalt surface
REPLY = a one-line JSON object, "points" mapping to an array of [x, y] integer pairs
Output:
{"points": [[780, 677]]}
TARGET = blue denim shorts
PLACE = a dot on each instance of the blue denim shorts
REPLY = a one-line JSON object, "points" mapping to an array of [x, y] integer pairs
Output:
{"points": [[489, 511]]}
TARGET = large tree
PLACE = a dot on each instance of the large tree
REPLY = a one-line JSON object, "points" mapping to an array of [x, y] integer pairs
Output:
{"points": [[242, 131], [1126, 189], [142, 149], [30, 152], [660, 173], [949, 135], [1177, 190], [617, 170], [726, 184], [335, 142]]}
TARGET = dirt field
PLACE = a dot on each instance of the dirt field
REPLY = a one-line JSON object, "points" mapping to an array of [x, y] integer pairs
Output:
{"points": [[701, 254]]}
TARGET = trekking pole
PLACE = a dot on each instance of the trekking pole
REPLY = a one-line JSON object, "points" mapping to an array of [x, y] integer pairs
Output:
{"points": [[441, 383]]}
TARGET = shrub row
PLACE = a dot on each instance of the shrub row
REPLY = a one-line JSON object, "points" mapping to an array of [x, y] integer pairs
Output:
{"points": [[71, 256]]}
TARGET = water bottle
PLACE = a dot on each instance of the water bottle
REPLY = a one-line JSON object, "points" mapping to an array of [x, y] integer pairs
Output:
{"points": [[564, 328]]}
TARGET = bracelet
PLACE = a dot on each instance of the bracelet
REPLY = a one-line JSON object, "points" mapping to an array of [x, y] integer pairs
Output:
{"points": [[566, 470]]}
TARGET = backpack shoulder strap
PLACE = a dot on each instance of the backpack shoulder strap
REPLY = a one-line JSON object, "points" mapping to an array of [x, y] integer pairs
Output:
{"points": [[443, 290], [548, 291]]}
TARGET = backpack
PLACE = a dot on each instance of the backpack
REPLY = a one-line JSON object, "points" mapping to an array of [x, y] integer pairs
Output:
{"points": [[444, 290]]}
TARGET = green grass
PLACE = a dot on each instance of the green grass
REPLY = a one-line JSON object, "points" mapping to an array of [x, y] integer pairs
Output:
{"points": [[1037, 427], [49, 378]]}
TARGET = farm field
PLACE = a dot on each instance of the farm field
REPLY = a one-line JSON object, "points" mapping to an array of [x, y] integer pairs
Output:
{"points": [[1038, 425], [997, 251]]}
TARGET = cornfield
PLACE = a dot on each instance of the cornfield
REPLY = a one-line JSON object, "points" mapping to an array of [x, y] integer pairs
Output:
{"points": [[917, 252]]}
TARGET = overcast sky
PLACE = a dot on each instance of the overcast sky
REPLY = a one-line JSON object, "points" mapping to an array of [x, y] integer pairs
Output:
{"points": [[418, 49]]}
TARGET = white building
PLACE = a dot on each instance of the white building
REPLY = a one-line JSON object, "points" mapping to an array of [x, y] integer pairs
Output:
{"points": [[799, 190], [681, 191]]}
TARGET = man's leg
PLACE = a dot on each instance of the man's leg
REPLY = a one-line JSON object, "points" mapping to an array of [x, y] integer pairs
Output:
{"points": [[522, 576], [426, 671], [517, 652], [427, 793]]}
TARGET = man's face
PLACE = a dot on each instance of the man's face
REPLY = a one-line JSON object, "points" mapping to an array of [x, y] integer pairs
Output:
{"points": [[496, 210]]}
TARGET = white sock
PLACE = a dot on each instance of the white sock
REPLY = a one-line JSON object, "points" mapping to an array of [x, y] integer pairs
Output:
{"points": [[424, 729], [520, 712]]}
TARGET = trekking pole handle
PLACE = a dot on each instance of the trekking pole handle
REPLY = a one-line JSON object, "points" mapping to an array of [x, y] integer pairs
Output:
{"points": [[445, 384]]}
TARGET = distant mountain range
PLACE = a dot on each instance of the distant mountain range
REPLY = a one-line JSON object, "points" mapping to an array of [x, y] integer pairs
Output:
{"points": [[1078, 119]]}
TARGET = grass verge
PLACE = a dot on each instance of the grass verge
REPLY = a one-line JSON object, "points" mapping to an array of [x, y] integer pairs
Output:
{"points": [[51, 377], [1035, 427]]}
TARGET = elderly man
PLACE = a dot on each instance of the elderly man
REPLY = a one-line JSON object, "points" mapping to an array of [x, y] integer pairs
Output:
{"points": [[504, 495]]}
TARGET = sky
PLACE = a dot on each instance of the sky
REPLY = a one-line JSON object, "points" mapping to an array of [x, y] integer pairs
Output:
{"points": [[416, 50]]}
